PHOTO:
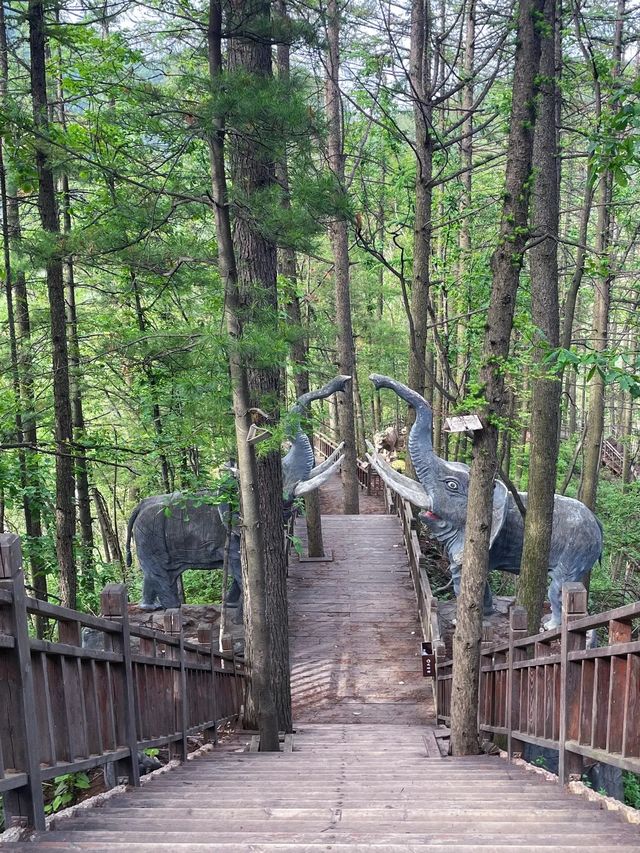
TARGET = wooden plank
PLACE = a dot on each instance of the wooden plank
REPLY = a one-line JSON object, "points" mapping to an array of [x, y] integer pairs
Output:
{"points": [[600, 709], [431, 744], [626, 611], [113, 603], [615, 722], [574, 605], [26, 801], [587, 678], [631, 732]]}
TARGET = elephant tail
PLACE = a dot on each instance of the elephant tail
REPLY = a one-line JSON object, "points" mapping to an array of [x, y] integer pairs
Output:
{"points": [[132, 521]]}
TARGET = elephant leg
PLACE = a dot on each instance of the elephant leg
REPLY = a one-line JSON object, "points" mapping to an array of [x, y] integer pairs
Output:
{"points": [[233, 596], [149, 599], [235, 568], [488, 600], [456, 574], [555, 597], [168, 590]]}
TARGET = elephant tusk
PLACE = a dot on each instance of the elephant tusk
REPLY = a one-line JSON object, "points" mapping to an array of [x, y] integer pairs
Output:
{"points": [[307, 486], [407, 488], [328, 462]]}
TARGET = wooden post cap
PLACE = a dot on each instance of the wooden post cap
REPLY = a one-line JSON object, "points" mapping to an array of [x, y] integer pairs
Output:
{"points": [[205, 633], [518, 618], [10, 555], [574, 598], [113, 600], [173, 621]]}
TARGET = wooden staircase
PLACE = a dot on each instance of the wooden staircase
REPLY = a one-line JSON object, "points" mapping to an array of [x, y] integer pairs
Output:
{"points": [[366, 772], [346, 789]]}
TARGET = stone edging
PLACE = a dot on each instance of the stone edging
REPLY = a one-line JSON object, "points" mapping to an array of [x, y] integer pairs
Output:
{"points": [[627, 813], [54, 821]]}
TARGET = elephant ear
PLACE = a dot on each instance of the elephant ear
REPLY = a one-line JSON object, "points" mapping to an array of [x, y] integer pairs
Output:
{"points": [[500, 508]]}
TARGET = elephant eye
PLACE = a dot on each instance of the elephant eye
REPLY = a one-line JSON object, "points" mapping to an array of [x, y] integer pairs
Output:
{"points": [[452, 484]]}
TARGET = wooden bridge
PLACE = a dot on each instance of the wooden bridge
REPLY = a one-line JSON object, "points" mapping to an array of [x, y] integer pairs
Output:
{"points": [[365, 770]]}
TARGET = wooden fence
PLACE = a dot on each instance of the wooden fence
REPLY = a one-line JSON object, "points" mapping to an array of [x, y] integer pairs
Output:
{"points": [[368, 477], [427, 602], [67, 707], [551, 690]]}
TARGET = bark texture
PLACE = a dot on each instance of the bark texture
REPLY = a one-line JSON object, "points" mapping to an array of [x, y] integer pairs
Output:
{"points": [[339, 238], [546, 391], [506, 263], [258, 653], [47, 205], [419, 377], [253, 172], [601, 303]]}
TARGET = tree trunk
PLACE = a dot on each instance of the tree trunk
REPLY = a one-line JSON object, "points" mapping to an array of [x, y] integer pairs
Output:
{"points": [[601, 303], [259, 652], [627, 432], [299, 347], [546, 392], [506, 263], [87, 563], [20, 336], [112, 550], [65, 486], [339, 239], [419, 377], [253, 172], [149, 372]]}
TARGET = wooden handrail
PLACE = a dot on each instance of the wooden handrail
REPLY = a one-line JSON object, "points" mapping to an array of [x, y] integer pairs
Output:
{"points": [[68, 707], [368, 477], [427, 602], [550, 690]]}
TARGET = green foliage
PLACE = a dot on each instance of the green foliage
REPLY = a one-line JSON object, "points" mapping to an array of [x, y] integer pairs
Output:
{"points": [[614, 367], [65, 790], [631, 782]]}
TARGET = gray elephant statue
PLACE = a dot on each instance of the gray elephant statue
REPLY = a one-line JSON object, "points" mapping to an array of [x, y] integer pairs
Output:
{"points": [[441, 491], [174, 532]]}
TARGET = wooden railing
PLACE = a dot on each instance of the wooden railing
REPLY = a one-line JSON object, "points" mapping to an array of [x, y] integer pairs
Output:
{"points": [[551, 690], [66, 707], [427, 602], [368, 478], [612, 457]]}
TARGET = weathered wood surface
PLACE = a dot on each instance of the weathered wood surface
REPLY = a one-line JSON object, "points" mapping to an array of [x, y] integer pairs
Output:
{"points": [[365, 772], [345, 788], [354, 629], [551, 690]]}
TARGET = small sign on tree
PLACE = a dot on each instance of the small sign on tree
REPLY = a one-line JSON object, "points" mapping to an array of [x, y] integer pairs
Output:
{"points": [[463, 423]]}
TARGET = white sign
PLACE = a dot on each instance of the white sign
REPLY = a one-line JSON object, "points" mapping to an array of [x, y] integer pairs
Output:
{"points": [[462, 423]]}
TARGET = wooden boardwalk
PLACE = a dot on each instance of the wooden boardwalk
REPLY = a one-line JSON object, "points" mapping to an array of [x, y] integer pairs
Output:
{"points": [[365, 773], [355, 635], [345, 789]]}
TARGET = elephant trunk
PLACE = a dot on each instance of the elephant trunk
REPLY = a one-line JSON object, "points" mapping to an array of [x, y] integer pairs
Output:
{"points": [[338, 383], [420, 441], [299, 461]]}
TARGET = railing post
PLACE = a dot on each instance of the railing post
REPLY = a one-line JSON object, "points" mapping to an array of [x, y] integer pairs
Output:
{"points": [[173, 625], [517, 630], [486, 682], [574, 605], [115, 605], [206, 637], [25, 804]]}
